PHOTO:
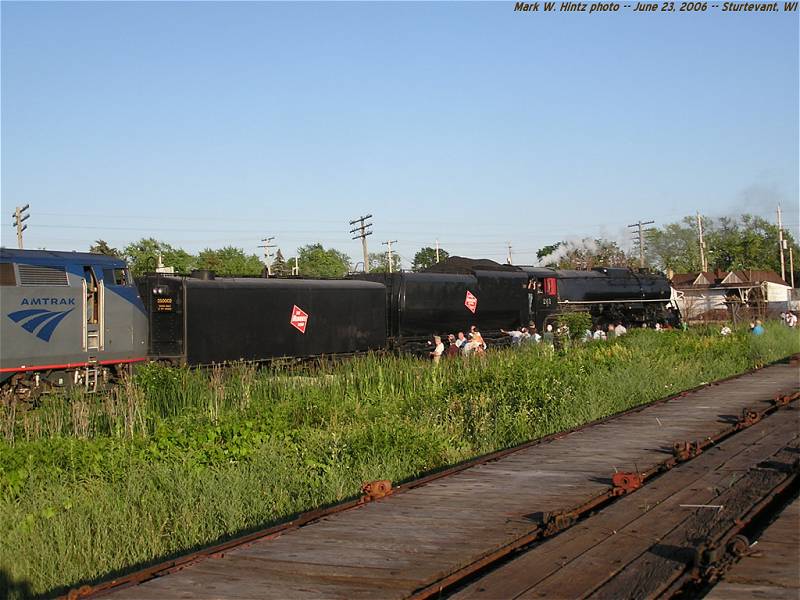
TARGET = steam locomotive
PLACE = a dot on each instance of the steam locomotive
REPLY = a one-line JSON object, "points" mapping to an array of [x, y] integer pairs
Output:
{"points": [[78, 319]]}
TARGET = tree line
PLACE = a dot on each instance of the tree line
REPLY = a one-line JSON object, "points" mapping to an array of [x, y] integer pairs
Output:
{"points": [[732, 243], [313, 260]]}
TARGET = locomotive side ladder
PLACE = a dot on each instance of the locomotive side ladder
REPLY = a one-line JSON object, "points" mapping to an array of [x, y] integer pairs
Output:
{"points": [[93, 326]]}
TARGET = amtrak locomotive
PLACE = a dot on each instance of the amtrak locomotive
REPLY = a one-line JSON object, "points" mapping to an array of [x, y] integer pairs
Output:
{"points": [[68, 318], [76, 319]]}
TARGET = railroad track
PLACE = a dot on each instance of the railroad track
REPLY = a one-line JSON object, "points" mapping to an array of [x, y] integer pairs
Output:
{"points": [[455, 532], [673, 537]]}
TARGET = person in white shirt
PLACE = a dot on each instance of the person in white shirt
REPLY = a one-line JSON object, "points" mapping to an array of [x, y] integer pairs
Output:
{"points": [[461, 340], [791, 319], [438, 350], [516, 335], [620, 330]]}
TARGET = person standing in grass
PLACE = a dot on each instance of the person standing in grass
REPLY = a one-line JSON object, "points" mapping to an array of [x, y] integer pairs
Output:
{"points": [[461, 341], [517, 335], [452, 346], [757, 328], [438, 349], [476, 336]]}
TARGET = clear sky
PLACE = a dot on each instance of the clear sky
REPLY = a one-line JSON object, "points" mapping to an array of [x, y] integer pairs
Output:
{"points": [[206, 124]]}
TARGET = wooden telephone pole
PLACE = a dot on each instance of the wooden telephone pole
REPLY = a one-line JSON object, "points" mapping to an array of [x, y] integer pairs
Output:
{"points": [[361, 231], [19, 217], [389, 251], [639, 238]]}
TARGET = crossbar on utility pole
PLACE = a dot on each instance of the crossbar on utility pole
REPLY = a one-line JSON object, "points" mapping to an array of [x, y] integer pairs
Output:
{"points": [[361, 231], [268, 253], [389, 251], [639, 233]]}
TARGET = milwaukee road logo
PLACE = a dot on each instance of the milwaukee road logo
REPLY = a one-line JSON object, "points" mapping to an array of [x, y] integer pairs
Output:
{"points": [[39, 321]]}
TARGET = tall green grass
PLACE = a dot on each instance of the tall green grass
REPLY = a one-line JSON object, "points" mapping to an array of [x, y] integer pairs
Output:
{"points": [[178, 458]]}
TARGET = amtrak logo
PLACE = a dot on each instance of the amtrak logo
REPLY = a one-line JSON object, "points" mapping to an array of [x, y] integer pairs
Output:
{"points": [[45, 321]]}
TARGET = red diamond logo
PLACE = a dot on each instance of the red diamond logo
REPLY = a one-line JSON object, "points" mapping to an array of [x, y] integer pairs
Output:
{"points": [[471, 302], [299, 319]]}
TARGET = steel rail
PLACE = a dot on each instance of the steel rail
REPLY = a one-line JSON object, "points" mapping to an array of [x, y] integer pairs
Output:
{"points": [[555, 523]]}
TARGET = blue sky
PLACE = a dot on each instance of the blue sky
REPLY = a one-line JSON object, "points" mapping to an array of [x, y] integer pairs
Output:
{"points": [[204, 124]]}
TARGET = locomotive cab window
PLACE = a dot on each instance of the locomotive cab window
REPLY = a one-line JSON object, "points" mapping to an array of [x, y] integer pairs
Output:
{"points": [[117, 276]]}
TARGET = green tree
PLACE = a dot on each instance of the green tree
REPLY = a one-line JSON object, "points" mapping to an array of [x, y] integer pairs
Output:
{"points": [[142, 256], [426, 257], [379, 262], [230, 262], [279, 266], [547, 250], [675, 247], [102, 247], [732, 243], [314, 261]]}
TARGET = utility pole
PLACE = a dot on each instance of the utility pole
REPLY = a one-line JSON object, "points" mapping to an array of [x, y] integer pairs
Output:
{"points": [[791, 266], [389, 251], [18, 219], [296, 268], [268, 253], [361, 231], [508, 257], [437, 251], [639, 238], [780, 244], [703, 263]]}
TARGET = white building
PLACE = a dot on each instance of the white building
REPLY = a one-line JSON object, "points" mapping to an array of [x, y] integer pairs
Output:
{"points": [[719, 295]]}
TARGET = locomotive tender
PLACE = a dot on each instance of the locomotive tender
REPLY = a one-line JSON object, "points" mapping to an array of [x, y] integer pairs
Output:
{"points": [[77, 319], [204, 320]]}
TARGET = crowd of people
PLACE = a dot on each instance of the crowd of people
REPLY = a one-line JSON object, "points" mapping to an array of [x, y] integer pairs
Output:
{"points": [[461, 344], [473, 344]]}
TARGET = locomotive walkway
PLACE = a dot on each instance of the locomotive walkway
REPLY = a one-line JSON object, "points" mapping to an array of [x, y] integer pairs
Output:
{"points": [[429, 537]]}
